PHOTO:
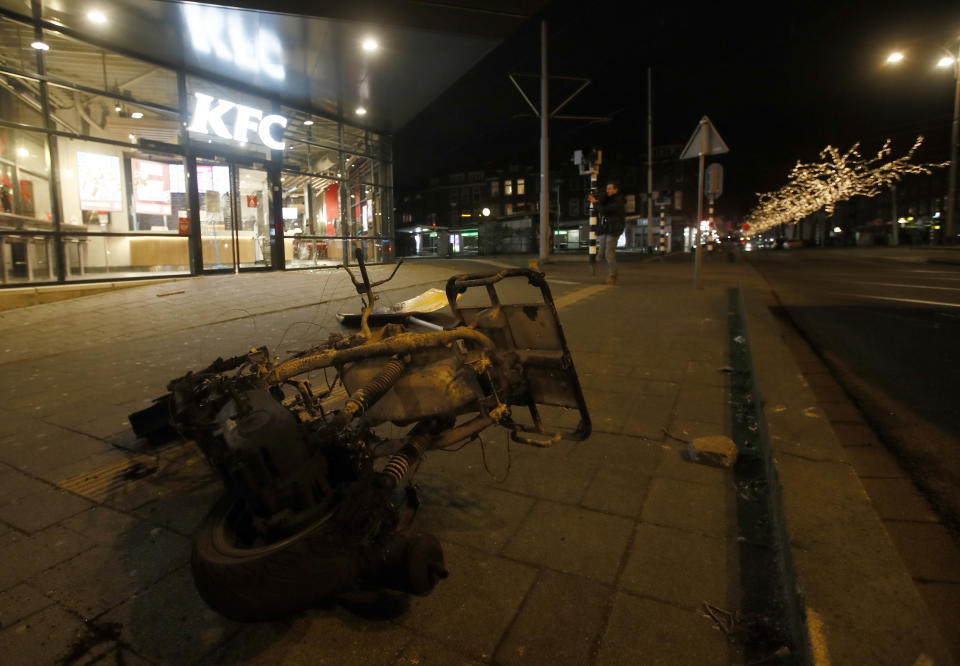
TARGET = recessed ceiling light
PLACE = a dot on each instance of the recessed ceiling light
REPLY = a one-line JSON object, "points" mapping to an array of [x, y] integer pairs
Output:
{"points": [[370, 44], [23, 152], [307, 122], [40, 46], [136, 115], [361, 111], [97, 16]]}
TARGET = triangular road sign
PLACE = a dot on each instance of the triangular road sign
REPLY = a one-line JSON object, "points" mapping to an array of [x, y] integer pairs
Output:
{"points": [[696, 146]]}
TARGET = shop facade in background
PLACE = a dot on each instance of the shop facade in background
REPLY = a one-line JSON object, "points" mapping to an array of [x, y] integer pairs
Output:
{"points": [[113, 167]]}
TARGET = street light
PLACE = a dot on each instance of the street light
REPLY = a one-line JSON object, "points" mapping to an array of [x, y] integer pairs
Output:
{"points": [[948, 59]]}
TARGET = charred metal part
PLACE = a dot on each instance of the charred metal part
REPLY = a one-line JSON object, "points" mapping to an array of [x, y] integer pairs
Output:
{"points": [[533, 358], [403, 343], [436, 383], [399, 463], [307, 512], [365, 287], [362, 398]]}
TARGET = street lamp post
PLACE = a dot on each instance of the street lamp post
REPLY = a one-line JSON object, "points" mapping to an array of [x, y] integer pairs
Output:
{"points": [[948, 60], [954, 140]]}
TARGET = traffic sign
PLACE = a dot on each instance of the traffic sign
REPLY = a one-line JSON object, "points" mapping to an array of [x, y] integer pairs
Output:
{"points": [[698, 145]]}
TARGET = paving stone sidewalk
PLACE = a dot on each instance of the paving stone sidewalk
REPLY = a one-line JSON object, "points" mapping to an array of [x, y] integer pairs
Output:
{"points": [[600, 552]]}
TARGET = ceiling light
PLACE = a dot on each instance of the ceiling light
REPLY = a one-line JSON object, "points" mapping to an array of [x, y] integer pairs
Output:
{"points": [[896, 56], [308, 122], [132, 137], [96, 16], [370, 44], [361, 111], [339, 175], [136, 115], [23, 152], [40, 46], [945, 61]]}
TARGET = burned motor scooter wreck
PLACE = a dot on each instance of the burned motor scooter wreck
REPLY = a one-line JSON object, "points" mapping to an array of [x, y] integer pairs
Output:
{"points": [[311, 511]]}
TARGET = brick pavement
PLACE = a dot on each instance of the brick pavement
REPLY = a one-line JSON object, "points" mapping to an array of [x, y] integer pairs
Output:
{"points": [[597, 552]]}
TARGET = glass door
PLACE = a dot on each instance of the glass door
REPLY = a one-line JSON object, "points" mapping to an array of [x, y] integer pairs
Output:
{"points": [[234, 216], [253, 218]]}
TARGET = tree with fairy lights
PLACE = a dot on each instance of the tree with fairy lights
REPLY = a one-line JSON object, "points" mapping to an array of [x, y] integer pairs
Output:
{"points": [[816, 186]]}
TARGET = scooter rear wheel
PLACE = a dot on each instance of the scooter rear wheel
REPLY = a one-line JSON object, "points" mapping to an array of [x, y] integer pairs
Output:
{"points": [[254, 582]]}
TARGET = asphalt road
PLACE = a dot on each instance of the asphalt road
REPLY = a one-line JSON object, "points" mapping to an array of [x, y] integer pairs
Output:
{"points": [[887, 321]]}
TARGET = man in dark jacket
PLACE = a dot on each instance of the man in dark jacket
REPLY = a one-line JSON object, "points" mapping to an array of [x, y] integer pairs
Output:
{"points": [[612, 224]]}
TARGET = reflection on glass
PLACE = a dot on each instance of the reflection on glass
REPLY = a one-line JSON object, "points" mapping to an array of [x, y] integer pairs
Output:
{"points": [[234, 37], [97, 116], [90, 66], [20, 100], [16, 38]]}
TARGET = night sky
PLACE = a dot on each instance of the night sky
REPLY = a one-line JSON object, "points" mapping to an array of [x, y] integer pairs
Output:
{"points": [[779, 83]]}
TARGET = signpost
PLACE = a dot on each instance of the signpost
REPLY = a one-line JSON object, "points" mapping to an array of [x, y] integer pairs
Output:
{"points": [[589, 163], [704, 141]]}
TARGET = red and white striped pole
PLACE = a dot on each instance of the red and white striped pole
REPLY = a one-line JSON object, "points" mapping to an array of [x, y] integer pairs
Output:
{"points": [[594, 207], [593, 224]]}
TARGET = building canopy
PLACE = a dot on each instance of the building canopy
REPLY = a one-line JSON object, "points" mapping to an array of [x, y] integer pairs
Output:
{"points": [[317, 62]]}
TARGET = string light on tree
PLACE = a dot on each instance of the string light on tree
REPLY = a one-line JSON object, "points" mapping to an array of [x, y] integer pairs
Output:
{"points": [[816, 186]]}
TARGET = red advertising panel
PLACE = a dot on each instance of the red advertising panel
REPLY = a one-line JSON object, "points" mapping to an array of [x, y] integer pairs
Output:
{"points": [[151, 187]]}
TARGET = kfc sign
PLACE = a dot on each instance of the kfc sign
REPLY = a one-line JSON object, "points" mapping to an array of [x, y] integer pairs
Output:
{"points": [[211, 115]]}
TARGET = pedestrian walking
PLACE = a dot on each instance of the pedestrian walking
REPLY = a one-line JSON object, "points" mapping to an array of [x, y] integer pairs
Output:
{"points": [[612, 224]]}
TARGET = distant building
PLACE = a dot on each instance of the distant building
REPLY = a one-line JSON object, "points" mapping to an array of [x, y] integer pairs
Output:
{"points": [[919, 206], [470, 213], [496, 210]]}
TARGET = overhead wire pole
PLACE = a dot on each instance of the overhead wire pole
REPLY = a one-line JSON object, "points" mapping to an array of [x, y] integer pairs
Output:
{"points": [[545, 236], [544, 114]]}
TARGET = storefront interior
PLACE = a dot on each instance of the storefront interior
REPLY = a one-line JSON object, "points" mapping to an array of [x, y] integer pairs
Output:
{"points": [[113, 167]]}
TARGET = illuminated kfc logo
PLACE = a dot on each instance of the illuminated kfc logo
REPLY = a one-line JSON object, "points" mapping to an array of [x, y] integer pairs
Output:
{"points": [[208, 117]]}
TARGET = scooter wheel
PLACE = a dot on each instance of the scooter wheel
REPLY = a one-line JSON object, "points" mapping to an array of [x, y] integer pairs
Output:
{"points": [[251, 581]]}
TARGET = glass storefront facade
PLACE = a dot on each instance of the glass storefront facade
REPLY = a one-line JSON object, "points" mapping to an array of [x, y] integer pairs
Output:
{"points": [[113, 167]]}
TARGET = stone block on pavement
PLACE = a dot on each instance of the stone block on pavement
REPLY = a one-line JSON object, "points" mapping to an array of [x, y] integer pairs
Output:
{"points": [[716, 451]]}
